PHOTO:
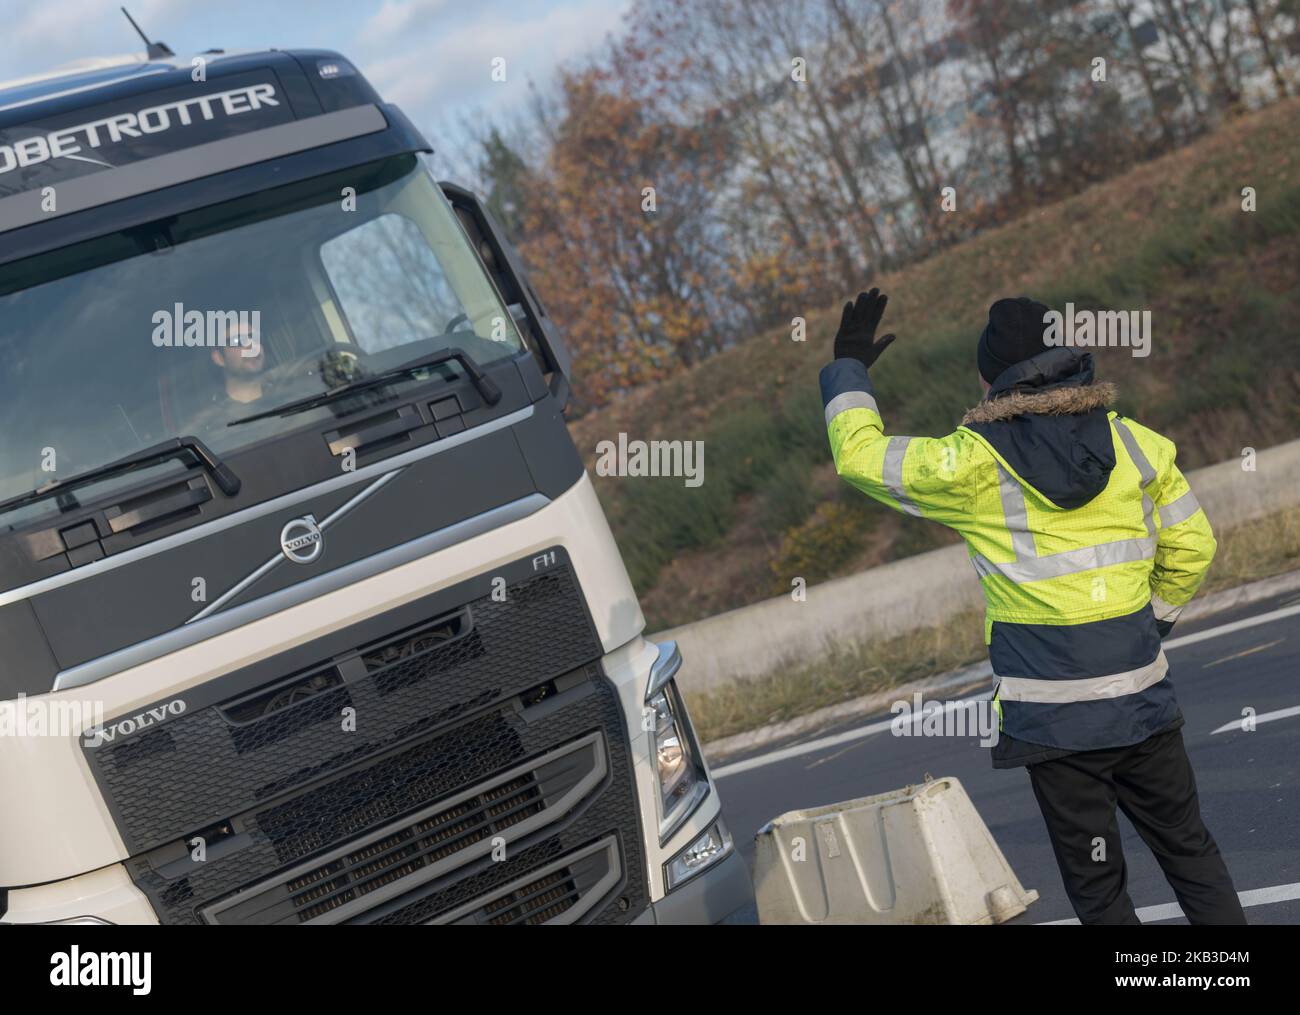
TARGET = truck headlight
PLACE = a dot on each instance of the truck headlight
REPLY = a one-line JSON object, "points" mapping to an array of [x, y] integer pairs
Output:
{"points": [[671, 757], [683, 783]]}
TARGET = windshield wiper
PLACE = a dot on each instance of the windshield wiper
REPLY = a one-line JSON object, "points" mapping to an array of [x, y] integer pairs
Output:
{"points": [[221, 473], [486, 386]]}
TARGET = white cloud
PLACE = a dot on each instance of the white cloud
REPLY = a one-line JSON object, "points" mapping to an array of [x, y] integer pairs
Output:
{"points": [[428, 63], [59, 30], [396, 18]]}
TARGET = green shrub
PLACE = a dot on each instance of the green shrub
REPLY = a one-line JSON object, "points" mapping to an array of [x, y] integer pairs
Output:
{"points": [[788, 497]]}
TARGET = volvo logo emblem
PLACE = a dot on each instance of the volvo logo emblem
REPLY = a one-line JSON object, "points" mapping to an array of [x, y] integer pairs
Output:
{"points": [[301, 540], [95, 737]]}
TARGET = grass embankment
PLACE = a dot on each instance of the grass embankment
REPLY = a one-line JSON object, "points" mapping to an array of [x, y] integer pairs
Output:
{"points": [[1223, 286]]}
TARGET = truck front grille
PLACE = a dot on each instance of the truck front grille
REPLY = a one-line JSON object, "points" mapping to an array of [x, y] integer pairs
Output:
{"points": [[562, 891], [484, 778], [397, 859]]}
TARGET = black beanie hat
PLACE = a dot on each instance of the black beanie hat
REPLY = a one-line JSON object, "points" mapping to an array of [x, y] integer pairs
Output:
{"points": [[1014, 333]]}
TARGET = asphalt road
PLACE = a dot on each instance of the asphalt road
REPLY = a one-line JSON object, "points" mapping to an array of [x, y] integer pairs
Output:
{"points": [[1249, 781]]}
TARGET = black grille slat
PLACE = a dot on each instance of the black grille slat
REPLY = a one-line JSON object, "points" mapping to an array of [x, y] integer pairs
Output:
{"points": [[551, 886], [416, 654], [556, 891], [402, 782], [284, 723], [426, 845], [286, 694], [406, 671]]}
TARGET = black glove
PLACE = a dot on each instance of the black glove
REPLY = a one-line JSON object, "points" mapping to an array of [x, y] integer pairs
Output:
{"points": [[1163, 627], [856, 337]]}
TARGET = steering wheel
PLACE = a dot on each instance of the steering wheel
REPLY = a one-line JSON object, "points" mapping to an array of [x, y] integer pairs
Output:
{"points": [[451, 325], [338, 366], [313, 372]]}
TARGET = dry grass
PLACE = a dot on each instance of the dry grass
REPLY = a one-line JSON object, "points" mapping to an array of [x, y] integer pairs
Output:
{"points": [[1258, 549], [837, 677]]}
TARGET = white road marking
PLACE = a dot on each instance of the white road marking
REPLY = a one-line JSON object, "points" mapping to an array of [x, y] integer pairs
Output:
{"points": [[832, 741], [1236, 625], [1172, 911], [1281, 713], [871, 729], [916, 720]]}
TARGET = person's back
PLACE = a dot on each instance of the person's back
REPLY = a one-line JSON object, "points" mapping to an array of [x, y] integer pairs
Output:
{"points": [[1087, 542]]}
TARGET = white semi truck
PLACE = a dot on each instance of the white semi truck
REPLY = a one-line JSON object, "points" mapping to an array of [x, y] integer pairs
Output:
{"points": [[308, 610]]}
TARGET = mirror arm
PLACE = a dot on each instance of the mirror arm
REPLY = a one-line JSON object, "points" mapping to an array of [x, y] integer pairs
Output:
{"points": [[560, 389]]}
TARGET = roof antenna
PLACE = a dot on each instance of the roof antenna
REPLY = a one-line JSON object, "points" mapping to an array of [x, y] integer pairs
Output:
{"points": [[155, 50]]}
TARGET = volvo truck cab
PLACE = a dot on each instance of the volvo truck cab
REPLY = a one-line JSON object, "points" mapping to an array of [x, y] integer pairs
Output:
{"points": [[308, 610]]}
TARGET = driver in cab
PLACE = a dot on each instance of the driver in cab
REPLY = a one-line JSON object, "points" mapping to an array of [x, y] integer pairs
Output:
{"points": [[241, 383], [241, 361], [238, 378]]}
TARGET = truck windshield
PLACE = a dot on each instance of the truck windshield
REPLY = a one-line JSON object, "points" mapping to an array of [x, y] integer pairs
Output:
{"points": [[183, 325]]}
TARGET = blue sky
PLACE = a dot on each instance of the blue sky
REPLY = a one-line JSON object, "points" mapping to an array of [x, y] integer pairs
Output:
{"points": [[432, 57]]}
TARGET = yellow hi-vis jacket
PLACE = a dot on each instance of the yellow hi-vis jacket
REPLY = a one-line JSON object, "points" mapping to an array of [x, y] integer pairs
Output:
{"points": [[1086, 538]]}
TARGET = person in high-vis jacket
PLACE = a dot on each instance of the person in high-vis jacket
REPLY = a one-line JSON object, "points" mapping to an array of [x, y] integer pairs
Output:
{"points": [[1088, 542]]}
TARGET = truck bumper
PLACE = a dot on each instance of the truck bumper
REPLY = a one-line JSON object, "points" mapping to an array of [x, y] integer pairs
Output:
{"points": [[709, 897]]}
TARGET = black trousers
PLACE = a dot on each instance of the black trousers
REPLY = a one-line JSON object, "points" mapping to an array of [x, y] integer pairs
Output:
{"points": [[1153, 784]]}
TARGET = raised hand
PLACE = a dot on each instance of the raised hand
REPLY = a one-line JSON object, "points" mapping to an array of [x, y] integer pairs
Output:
{"points": [[856, 338]]}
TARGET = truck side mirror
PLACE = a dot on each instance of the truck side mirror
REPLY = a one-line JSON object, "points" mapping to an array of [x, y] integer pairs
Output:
{"points": [[506, 268]]}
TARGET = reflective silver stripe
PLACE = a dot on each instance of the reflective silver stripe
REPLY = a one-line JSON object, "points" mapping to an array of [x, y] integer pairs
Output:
{"points": [[1017, 515], [1179, 510], [1086, 558], [849, 400], [1057, 692], [1145, 470], [1163, 610], [892, 473], [1136, 453], [278, 558]]}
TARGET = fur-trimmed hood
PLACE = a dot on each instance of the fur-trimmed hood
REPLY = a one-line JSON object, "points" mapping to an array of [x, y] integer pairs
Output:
{"points": [[1049, 422], [1057, 402]]}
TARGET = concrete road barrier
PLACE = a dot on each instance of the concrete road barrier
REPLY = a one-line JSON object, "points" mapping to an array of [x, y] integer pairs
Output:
{"points": [[918, 855], [924, 590]]}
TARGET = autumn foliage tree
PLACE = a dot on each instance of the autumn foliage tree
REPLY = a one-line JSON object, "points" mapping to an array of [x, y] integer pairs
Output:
{"points": [[617, 231]]}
